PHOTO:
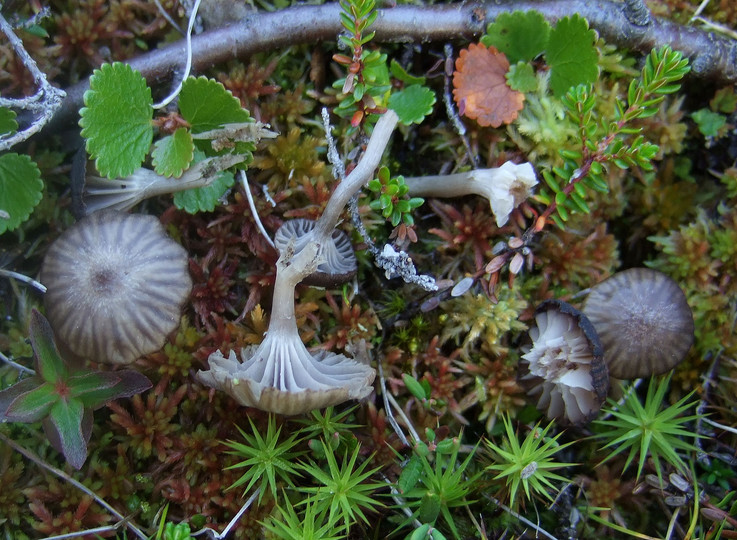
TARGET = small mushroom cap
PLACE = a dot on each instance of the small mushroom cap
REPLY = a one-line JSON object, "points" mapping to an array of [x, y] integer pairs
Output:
{"points": [[116, 286], [339, 264], [564, 367], [643, 320]]}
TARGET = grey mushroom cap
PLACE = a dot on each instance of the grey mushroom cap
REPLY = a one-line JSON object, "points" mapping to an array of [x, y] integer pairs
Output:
{"points": [[339, 262], [116, 286], [643, 320], [564, 367]]}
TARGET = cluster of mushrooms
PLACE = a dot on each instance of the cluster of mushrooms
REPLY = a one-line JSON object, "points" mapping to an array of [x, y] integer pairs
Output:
{"points": [[130, 283], [634, 324]]}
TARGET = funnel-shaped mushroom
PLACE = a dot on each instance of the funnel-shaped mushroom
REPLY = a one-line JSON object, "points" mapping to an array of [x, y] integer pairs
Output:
{"points": [[643, 320], [565, 366], [281, 375], [338, 259], [116, 286]]}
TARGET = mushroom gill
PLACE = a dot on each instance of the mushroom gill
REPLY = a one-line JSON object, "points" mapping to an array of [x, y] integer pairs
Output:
{"points": [[564, 367], [280, 375], [116, 286], [643, 320]]}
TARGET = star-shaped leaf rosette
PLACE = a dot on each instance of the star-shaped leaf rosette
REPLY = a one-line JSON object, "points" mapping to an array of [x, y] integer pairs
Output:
{"points": [[63, 398]]}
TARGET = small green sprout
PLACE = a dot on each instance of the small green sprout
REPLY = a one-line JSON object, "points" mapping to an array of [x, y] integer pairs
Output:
{"points": [[393, 202]]}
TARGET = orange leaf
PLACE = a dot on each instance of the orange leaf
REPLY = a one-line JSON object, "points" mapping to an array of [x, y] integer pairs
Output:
{"points": [[481, 90]]}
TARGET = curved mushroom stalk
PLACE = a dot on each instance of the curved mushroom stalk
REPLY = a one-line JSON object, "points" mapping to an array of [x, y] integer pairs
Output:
{"points": [[505, 187], [280, 375]]}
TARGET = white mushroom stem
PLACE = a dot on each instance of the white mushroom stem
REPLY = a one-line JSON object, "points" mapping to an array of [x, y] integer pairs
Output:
{"points": [[505, 187], [358, 177]]}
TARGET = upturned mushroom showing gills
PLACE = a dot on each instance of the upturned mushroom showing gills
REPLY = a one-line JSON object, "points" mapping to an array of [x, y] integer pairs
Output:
{"points": [[116, 286], [338, 258], [281, 375], [564, 368], [643, 320]]}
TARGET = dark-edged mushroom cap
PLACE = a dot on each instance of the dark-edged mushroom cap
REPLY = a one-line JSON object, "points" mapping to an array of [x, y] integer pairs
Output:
{"points": [[116, 286], [564, 367], [643, 320], [339, 260]]}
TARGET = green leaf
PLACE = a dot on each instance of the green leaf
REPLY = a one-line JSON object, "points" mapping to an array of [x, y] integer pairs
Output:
{"points": [[49, 363], [519, 35], [204, 199], [412, 104], [207, 105], [401, 74], [173, 153], [20, 189], [116, 119], [521, 77], [571, 54], [709, 122], [8, 124], [66, 417], [129, 382], [33, 405]]}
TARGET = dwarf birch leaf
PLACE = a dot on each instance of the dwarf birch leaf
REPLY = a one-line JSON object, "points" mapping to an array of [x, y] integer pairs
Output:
{"points": [[8, 125], [207, 105], [205, 198], [519, 35], [522, 77], [571, 54], [20, 189], [412, 104], [116, 119], [173, 153], [481, 91]]}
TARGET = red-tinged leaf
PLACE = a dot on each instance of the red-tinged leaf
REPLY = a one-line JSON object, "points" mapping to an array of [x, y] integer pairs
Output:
{"points": [[49, 363], [66, 418], [481, 86], [32, 406], [496, 264], [92, 382], [11, 393], [130, 382]]}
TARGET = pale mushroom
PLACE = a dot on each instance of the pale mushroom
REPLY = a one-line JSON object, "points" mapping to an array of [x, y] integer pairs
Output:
{"points": [[564, 367]]}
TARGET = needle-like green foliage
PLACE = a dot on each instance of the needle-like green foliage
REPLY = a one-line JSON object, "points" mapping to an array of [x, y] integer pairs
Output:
{"points": [[313, 524], [266, 458], [345, 492], [645, 429], [528, 465]]}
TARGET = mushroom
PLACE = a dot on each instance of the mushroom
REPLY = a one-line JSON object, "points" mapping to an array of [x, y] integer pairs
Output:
{"points": [[643, 320], [280, 375], [506, 187], [339, 260], [116, 284], [565, 365], [92, 193]]}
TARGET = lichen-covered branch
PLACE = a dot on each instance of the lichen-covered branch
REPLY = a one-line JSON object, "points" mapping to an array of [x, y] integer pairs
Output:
{"points": [[711, 56]]}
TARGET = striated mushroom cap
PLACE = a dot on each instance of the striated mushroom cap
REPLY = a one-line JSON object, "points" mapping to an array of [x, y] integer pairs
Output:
{"points": [[643, 320], [116, 286], [283, 377], [564, 367], [339, 260]]}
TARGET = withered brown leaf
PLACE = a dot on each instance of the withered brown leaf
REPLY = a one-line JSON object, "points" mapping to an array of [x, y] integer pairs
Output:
{"points": [[481, 90]]}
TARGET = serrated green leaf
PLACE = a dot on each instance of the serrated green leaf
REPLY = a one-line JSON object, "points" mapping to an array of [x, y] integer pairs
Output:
{"points": [[412, 104], [204, 199], [521, 77], [116, 119], [173, 153], [20, 189], [207, 105], [520, 35], [571, 54], [8, 124]]}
